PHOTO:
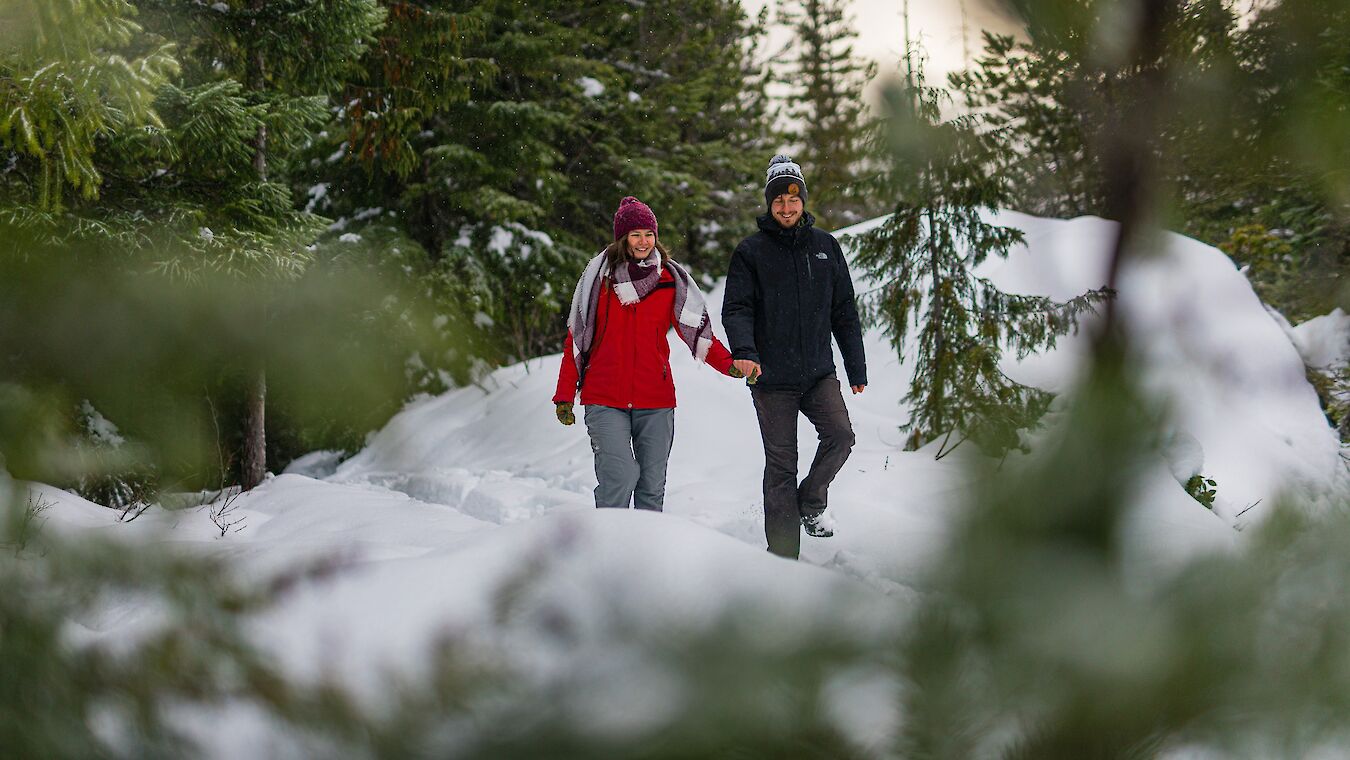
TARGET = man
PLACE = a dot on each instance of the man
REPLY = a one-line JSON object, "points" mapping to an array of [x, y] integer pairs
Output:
{"points": [[788, 289]]}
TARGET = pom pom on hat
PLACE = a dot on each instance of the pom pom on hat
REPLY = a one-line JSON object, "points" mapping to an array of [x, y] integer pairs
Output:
{"points": [[633, 214]]}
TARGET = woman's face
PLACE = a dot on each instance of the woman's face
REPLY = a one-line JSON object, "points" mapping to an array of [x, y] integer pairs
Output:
{"points": [[641, 243]]}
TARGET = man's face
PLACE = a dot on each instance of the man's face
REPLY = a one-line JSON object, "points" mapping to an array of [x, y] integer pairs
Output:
{"points": [[787, 209]]}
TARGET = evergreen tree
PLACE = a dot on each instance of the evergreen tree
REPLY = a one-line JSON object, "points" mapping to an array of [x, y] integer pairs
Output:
{"points": [[182, 174], [416, 69], [1249, 164], [491, 203], [282, 59], [1232, 167], [825, 109], [567, 110], [923, 258], [692, 116], [84, 74], [1297, 155], [1024, 93]]}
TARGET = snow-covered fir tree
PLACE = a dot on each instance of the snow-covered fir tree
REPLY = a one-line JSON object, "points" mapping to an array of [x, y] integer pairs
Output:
{"points": [[936, 173]]}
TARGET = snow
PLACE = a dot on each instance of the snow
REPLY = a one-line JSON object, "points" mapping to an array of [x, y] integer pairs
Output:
{"points": [[100, 429], [513, 238], [591, 87], [1204, 341], [464, 239], [478, 493], [1324, 342], [316, 194], [1184, 455], [864, 705], [500, 240], [338, 154], [316, 464], [367, 213]]}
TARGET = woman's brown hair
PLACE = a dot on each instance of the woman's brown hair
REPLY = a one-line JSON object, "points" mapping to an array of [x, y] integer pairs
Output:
{"points": [[616, 253]]}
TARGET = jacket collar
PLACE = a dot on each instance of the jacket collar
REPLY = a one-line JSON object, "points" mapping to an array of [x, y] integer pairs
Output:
{"points": [[785, 235]]}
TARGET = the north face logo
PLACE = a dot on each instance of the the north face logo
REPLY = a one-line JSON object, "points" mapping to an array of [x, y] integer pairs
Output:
{"points": [[821, 255]]}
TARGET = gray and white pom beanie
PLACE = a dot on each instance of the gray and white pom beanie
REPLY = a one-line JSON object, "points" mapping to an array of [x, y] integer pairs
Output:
{"points": [[784, 176]]}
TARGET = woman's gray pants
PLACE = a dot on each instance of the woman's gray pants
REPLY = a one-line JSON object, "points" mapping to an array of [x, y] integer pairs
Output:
{"points": [[631, 449]]}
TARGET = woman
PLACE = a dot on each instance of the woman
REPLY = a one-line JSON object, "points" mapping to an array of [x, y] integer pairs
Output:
{"points": [[617, 356]]}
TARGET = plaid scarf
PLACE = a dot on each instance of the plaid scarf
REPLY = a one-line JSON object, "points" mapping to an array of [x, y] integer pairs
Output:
{"points": [[637, 279], [632, 283]]}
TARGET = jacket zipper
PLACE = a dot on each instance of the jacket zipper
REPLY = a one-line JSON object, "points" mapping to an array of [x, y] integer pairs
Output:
{"points": [[810, 274], [633, 357], [797, 291]]}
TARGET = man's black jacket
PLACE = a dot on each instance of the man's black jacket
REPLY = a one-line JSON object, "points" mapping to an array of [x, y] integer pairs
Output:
{"points": [[787, 291]]}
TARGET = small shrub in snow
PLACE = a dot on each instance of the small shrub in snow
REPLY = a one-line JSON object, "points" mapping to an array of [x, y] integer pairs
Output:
{"points": [[114, 478], [1203, 490], [28, 521]]}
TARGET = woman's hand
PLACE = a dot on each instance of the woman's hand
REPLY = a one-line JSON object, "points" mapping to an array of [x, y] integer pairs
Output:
{"points": [[565, 414]]}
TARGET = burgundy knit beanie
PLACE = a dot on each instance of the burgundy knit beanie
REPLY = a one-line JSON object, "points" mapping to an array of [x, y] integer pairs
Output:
{"points": [[633, 214]]}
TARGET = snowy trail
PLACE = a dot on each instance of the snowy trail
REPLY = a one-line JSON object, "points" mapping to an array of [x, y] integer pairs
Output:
{"points": [[469, 449]]}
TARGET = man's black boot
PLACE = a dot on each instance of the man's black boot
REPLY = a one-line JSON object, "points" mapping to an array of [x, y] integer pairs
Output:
{"points": [[818, 525]]}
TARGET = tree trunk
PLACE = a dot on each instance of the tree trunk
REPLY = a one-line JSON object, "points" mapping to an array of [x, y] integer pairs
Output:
{"points": [[430, 235], [936, 315], [253, 463], [1129, 162]]}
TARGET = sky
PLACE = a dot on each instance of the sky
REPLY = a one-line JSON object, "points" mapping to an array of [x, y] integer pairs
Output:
{"points": [[937, 24]]}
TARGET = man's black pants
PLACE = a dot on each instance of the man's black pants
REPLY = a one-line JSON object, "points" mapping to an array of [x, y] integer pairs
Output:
{"points": [[784, 501]]}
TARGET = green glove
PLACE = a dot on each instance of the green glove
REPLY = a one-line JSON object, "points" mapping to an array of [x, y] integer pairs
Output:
{"points": [[733, 372], [754, 376], [565, 414]]}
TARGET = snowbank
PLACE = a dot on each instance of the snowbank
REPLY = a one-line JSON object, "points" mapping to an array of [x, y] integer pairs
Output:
{"points": [[1205, 343]]}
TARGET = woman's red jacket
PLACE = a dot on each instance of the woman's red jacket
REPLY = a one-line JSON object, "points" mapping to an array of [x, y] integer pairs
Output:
{"points": [[629, 366]]}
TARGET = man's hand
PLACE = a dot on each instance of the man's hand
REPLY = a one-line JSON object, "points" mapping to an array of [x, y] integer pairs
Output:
{"points": [[857, 389], [565, 414], [748, 369]]}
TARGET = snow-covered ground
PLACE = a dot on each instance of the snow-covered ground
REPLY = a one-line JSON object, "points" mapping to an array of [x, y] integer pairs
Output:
{"points": [[461, 496]]}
